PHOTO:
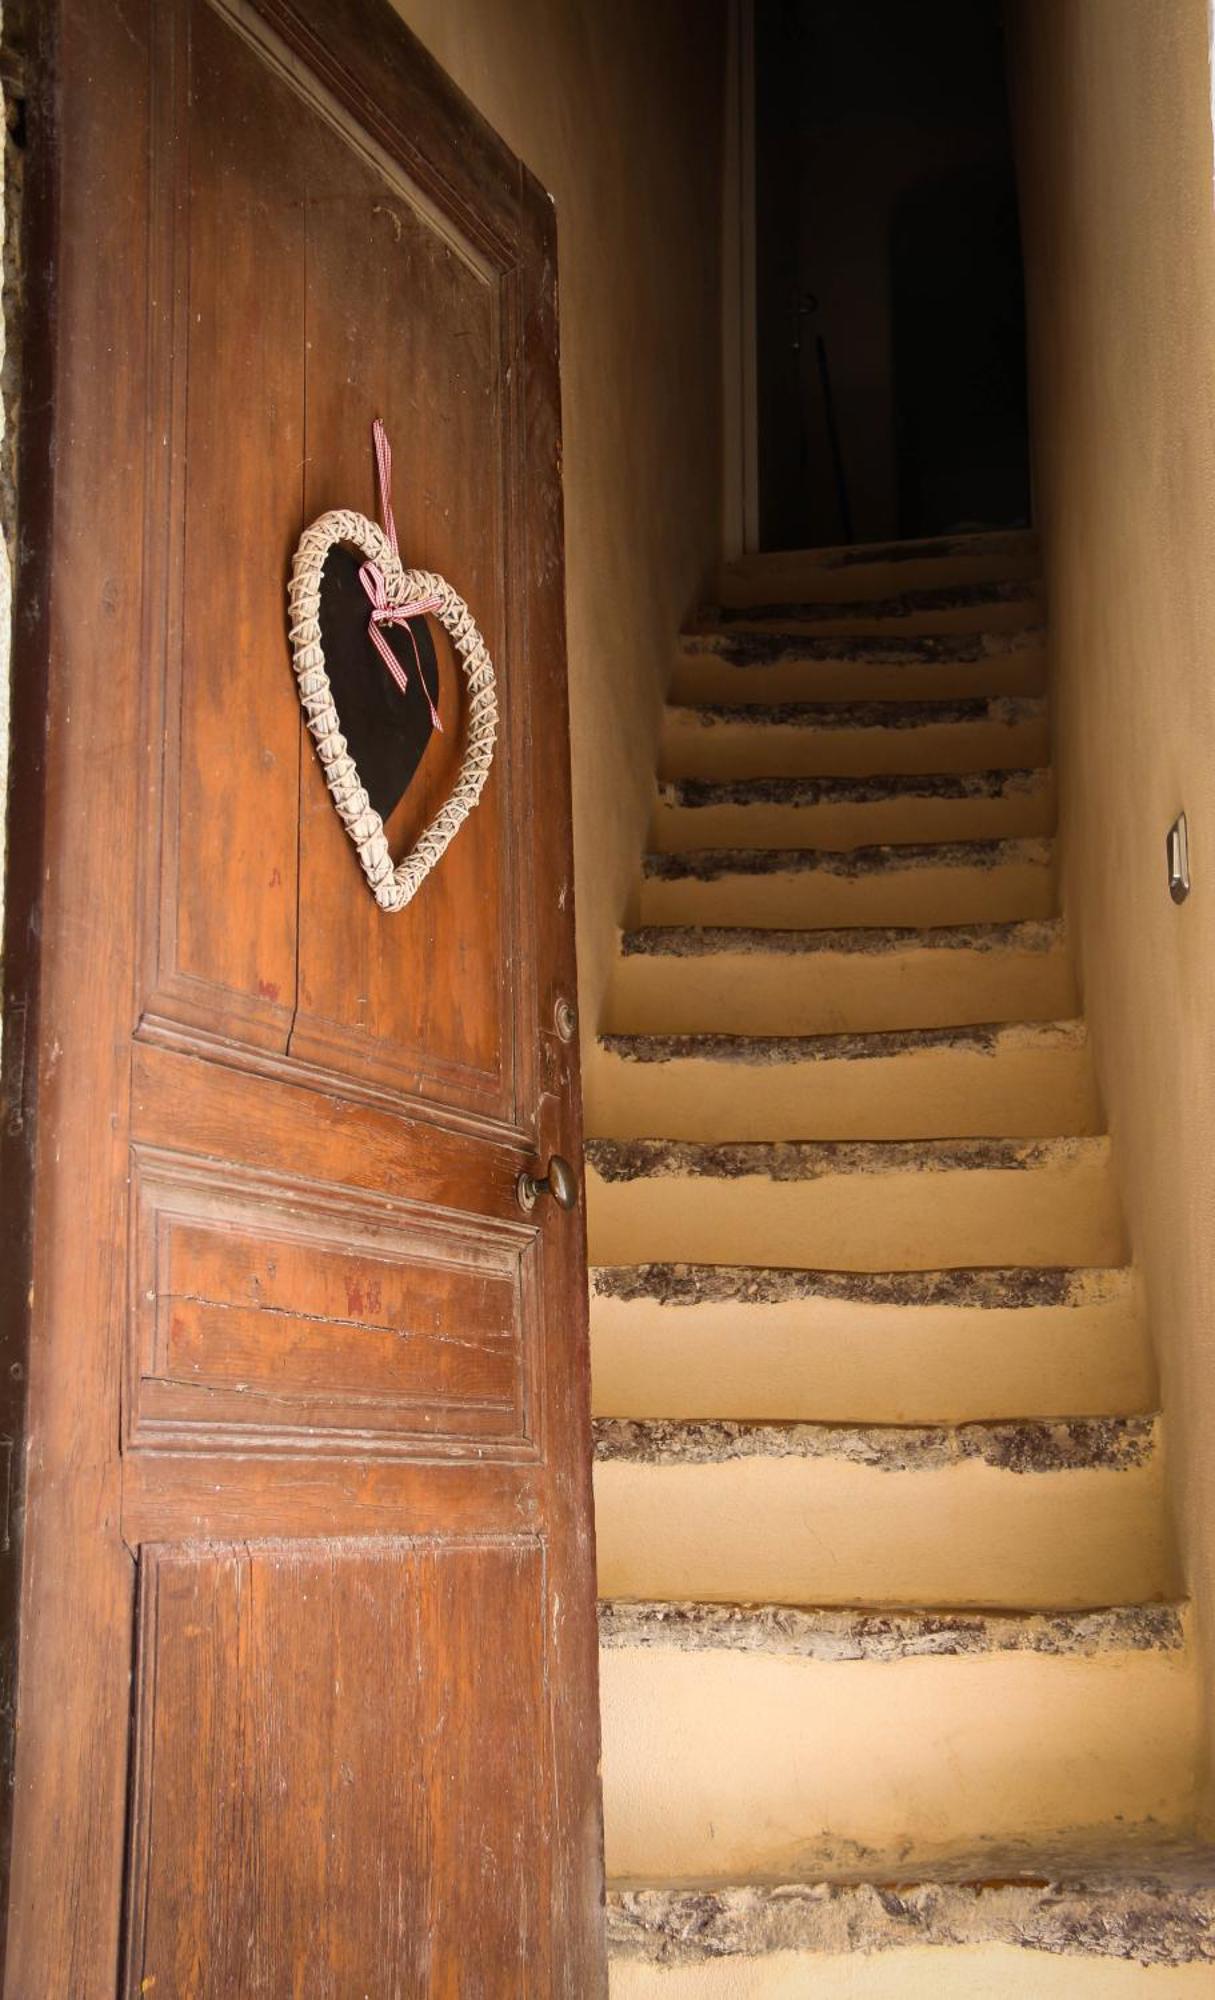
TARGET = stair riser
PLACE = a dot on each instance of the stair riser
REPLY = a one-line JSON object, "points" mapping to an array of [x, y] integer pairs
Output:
{"points": [[692, 747], [702, 676], [1019, 815], [970, 1972], [731, 1767], [814, 899], [828, 1531], [1016, 1092], [835, 575], [825, 1360], [825, 992], [1064, 1213]]}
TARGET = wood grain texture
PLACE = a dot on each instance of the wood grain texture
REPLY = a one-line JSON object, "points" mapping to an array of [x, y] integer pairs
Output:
{"points": [[231, 836], [405, 318], [296, 1359], [22, 951], [178, 1494], [315, 1738], [270, 1315], [90, 106]]}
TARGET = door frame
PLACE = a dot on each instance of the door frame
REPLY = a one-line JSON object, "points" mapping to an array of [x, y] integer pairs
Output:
{"points": [[26, 72]]}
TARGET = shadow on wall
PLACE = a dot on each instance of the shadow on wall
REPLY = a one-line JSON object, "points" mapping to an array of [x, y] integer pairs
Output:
{"points": [[957, 317], [890, 303]]}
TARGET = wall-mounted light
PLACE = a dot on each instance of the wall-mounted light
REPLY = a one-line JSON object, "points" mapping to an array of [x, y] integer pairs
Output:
{"points": [[1177, 848]]}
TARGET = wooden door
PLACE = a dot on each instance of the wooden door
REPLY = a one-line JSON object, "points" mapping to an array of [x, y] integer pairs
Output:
{"points": [[301, 1533]]}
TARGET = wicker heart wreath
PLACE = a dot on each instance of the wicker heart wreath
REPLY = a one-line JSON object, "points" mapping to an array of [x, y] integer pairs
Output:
{"points": [[395, 595]]}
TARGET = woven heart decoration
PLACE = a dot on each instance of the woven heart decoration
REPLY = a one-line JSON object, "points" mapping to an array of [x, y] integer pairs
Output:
{"points": [[395, 596]]}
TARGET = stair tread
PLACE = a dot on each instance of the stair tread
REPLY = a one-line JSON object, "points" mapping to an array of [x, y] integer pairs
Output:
{"points": [[983, 1038], [900, 604], [991, 1288], [839, 789], [998, 710], [861, 555], [943, 547], [1016, 1446], [834, 1634], [1037, 934], [739, 647], [807, 1159], [1148, 1902], [709, 863]]}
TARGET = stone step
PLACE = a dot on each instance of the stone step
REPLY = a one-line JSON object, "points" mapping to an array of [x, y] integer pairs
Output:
{"points": [[731, 664], [688, 979], [853, 739], [856, 1205], [1005, 1515], [1009, 605], [1024, 1080], [938, 884], [879, 569], [1069, 1930], [901, 808], [867, 1347], [767, 1742]]}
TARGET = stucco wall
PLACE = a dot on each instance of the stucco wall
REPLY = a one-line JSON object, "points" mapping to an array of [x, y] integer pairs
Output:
{"points": [[618, 109], [1112, 100]]}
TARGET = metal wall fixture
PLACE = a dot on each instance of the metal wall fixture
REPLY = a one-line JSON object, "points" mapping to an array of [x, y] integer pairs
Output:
{"points": [[1177, 848]]}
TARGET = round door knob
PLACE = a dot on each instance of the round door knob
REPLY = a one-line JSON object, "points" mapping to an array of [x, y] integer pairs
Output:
{"points": [[559, 1181]]}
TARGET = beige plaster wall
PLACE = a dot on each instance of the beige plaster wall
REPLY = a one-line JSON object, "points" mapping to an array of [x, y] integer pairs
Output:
{"points": [[618, 109], [1113, 109]]}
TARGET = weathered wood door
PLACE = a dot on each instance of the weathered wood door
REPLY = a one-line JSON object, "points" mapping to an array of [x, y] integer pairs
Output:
{"points": [[306, 1698]]}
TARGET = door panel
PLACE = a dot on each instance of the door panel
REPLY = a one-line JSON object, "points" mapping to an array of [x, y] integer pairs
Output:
{"points": [[389, 1759], [308, 1391], [386, 304], [270, 1315], [412, 320], [225, 235]]}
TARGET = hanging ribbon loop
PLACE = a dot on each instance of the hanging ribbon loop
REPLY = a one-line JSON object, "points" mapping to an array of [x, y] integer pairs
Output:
{"points": [[371, 576]]}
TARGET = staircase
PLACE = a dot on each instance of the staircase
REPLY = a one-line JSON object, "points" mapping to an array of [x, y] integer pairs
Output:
{"points": [[889, 1594]]}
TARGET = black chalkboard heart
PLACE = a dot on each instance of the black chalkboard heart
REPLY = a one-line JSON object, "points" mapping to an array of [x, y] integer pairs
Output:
{"points": [[386, 731]]}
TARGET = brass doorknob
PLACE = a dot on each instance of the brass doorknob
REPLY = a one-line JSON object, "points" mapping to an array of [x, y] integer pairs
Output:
{"points": [[559, 1181]]}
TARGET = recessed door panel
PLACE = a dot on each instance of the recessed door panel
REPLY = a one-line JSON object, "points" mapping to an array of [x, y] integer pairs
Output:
{"points": [[332, 1797], [407, 317], [276, 1314], [228, 234], [385, 303]]}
